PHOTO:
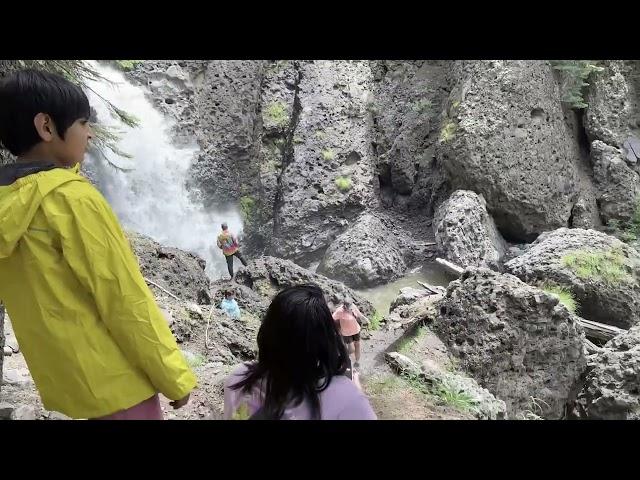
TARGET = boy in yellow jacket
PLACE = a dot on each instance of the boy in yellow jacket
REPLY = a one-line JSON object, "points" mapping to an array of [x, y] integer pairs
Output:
{"points": [[95, 341]]}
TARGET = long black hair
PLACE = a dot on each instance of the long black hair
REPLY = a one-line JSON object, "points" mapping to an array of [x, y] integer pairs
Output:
{"points": [[299, 351]]}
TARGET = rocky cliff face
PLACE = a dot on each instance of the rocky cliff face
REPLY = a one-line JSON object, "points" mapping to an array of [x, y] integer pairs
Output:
{"points": [[304, 148]]}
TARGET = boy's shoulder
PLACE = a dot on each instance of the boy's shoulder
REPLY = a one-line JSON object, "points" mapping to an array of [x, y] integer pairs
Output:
{"points": [[77, 188]]}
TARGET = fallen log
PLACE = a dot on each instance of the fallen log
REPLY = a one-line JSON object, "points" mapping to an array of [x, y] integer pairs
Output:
{"points": [[450, 267], [591, 347], [433, 289], [599, 331]]}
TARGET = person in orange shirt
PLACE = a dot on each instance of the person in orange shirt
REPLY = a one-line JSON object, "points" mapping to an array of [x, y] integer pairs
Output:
{"points": [[348, 319], [228, 243]]}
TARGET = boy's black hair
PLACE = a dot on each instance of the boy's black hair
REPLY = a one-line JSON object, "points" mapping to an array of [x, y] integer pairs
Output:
{"points": [[24, 94]]}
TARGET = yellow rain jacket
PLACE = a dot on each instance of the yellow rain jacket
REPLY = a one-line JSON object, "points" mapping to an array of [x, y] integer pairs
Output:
{"points": [[91, 332]]}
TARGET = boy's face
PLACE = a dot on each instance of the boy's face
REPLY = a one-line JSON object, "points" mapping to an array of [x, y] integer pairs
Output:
{"points": [[71, 150]]}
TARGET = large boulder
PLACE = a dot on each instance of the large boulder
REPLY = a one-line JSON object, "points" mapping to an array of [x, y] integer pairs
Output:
{"points": [[180, 272], [618, 185], [367, 254], [515, 340], [504, 136], [611, 390], [602, 273], [613, 115], [268, 275], [326, 175], [466, 234], [407, 99], [407, 296]]}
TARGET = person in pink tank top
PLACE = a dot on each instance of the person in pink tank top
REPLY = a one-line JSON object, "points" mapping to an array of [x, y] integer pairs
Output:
{"points": [[347, 318]]}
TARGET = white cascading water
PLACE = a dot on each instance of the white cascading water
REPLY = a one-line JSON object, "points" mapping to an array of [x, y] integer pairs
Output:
{"points": [[152, 199]]}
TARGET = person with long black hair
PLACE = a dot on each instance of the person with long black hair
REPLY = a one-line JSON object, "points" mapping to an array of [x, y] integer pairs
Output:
{"points": [[301, 369]]}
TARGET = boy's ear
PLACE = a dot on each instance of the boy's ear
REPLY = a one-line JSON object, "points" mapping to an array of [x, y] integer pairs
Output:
{"points": [[44, 126]]}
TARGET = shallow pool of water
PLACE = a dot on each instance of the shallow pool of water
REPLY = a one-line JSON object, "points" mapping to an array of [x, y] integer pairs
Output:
{"points": [[382, 295]]}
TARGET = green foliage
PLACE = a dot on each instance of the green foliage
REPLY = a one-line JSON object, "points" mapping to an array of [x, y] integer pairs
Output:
{"points": [[127, 65], [328, 154], [575, 74], [563, 294], [247, 208], [343, 183], [276, 114], [608, 267], [447, 392], [375, 321], [448, 131], [454, 396]]}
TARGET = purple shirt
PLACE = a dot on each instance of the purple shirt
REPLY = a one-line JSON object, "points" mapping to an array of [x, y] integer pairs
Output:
{"points": [[341, 400]]}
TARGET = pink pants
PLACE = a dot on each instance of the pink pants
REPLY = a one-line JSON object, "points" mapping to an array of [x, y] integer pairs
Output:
{"points": [[147, 410]]}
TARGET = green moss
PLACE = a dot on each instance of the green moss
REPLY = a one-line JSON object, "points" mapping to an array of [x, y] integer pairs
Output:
{"points": [[608, 267], [328, 154], [127, 65], [448, 131], [247, 208], [563, 294], [320, 134], [375, 321], [343, 183], [411, 339], [276, 114]]}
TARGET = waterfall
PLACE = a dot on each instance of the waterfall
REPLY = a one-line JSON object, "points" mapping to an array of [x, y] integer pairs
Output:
{"points": [[152, 198]]}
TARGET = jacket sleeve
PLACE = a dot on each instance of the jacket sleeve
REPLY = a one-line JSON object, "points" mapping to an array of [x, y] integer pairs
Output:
{"points": [[100, 256]]}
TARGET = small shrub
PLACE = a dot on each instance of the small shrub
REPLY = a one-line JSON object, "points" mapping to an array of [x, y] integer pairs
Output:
{"points": [[343, 183], [454, 396], [575, 74], [607, 267], [563, 294]]}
